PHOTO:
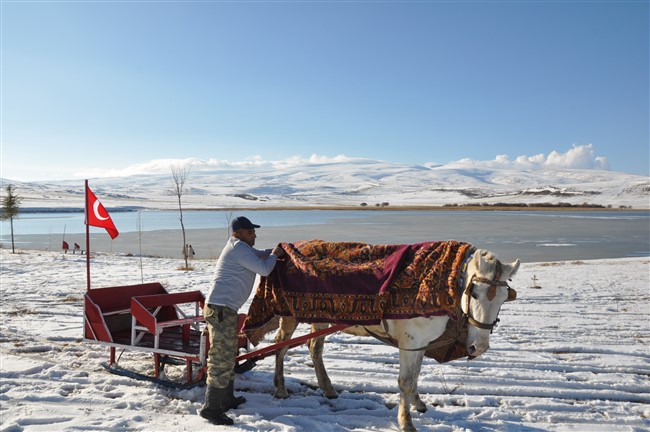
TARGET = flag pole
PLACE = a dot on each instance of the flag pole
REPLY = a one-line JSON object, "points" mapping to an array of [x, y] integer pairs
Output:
{"points": [[87, 236]]}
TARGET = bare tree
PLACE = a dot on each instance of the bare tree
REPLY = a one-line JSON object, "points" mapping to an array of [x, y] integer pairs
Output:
{"points": [[179, 177], [10, 208], [229, 217]]}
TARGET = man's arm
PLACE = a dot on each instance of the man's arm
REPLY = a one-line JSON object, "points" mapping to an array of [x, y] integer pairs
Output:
{"points": [[249, 258], [264, 253]]}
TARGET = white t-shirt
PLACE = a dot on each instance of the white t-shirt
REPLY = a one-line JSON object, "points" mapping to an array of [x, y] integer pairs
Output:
{"points": [[235, 273]]}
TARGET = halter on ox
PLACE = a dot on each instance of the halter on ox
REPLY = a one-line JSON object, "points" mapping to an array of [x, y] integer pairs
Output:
{"points": [[491, 293]]}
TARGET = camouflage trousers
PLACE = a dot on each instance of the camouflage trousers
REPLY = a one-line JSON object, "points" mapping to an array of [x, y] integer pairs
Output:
{"points": [[222, 327]]}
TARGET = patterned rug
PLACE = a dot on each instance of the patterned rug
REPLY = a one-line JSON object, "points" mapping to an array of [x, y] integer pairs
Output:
{"points": [[359, 284]]}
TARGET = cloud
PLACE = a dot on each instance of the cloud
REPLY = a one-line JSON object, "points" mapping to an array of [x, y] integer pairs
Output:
{"points": [[163, 166], [577, 157]]}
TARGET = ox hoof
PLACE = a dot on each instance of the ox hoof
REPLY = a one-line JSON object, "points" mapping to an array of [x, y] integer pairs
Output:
{"points": [[408, 428], [420, 407], [281, 394], [329, 395]]}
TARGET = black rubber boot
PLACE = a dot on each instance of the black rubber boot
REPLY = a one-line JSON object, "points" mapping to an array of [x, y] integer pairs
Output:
{"points": [[214, 409], [232, 401]]}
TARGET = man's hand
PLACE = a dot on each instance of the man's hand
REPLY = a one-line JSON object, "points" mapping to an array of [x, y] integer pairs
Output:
{"points": [[278, 251]]}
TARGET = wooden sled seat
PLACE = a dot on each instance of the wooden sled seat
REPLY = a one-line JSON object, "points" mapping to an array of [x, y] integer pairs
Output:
{"points": [[108, 310], [156, 313]]}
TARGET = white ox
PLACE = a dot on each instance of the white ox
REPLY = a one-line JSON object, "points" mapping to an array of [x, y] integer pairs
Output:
{"points": [[484, 293]]}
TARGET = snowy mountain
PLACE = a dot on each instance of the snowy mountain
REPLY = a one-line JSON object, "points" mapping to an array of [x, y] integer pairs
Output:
{"points": [[347, 182]]}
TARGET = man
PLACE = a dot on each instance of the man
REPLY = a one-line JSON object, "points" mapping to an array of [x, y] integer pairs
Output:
{"points": [[237, 266]]}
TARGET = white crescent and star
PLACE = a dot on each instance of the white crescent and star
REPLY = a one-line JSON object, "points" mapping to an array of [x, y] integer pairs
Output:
{"points": [[96, 211]]}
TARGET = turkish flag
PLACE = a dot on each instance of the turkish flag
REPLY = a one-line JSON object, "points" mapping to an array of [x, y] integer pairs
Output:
{"points": [[97, 216]]}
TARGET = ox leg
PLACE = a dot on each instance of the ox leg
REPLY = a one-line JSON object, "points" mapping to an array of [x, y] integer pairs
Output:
{"points": [[417, 402], [408, 361], [316, 351], [287, 327]]}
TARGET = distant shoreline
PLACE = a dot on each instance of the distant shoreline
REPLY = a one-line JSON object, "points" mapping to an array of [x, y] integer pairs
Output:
{"points": [[431, 208], [459, 207]]}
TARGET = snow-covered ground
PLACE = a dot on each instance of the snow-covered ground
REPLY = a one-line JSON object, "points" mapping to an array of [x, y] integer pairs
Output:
{"points": [[571, 356]]}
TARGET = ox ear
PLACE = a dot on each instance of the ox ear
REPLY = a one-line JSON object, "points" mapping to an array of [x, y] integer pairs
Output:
{"points": [[482, 264], [511, 269]]}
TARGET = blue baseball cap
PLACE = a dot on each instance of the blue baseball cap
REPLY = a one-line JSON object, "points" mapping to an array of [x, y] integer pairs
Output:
{"points": [[242, 223]]}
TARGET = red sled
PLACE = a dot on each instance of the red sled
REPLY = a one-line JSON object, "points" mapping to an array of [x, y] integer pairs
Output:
{"points": [[146, 318]]}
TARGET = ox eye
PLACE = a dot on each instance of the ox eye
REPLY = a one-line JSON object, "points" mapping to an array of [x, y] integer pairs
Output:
{"points": [[475, 295]]}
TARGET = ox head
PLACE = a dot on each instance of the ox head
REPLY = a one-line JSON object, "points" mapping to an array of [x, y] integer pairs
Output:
{"points": [[486, 289]]}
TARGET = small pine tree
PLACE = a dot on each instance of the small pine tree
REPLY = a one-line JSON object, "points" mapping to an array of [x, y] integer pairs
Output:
{"points": [[10, 209]]}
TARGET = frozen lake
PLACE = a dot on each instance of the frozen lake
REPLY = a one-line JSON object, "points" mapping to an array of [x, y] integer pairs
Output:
{"points": [[528, 235]]}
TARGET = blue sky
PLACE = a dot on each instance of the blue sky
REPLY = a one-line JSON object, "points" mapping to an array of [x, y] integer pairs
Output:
{"points": [[98, 86]]}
